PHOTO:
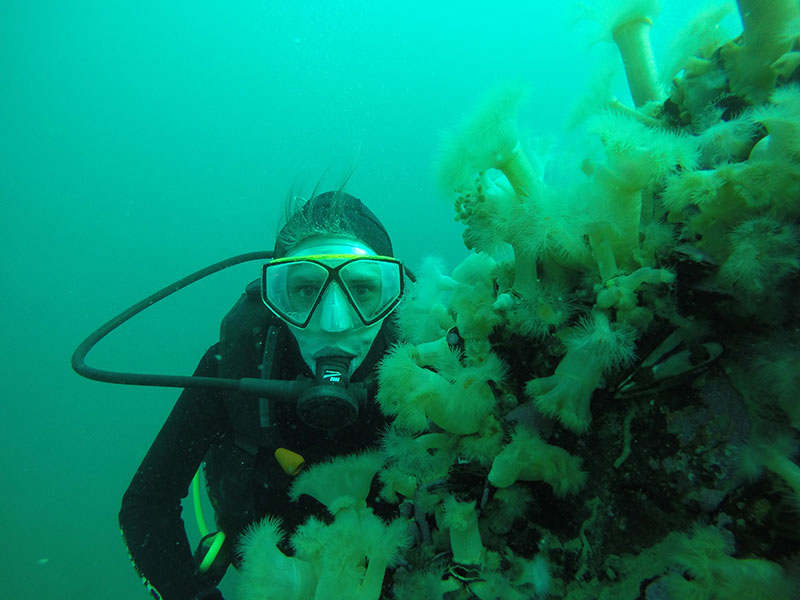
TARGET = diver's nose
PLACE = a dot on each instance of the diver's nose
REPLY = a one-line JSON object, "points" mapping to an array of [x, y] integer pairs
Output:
{"points": [[335, 310]]}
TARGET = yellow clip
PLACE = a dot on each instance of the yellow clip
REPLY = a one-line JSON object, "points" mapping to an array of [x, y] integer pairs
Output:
{"points": [[291, 462]]}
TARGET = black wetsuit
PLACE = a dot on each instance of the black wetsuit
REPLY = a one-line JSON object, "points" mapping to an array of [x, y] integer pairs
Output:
{"points": [[245, 481]]}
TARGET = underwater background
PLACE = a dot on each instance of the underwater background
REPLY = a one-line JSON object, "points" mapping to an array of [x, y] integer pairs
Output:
{"points": [[142, 141]]}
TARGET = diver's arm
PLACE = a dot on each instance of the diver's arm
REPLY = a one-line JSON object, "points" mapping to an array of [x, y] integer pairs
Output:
{"points": [[150, 517]]}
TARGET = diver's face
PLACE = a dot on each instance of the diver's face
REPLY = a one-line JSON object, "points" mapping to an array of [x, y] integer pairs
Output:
{"points": [[334, 329]]}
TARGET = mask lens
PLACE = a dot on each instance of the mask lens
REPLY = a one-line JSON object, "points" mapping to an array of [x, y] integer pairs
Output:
{"points": [[292, 289], [374, 286]]}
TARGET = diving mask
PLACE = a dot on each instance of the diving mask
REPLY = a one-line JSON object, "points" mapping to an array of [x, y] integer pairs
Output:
{"points": [[294, 287]]}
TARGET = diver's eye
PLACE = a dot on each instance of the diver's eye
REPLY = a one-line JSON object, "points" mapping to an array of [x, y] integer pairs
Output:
{"points": [[302, 295], [362, 289], [305, 291]]}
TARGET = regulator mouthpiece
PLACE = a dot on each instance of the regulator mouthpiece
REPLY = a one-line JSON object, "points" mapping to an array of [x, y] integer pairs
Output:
{"points": [[329, 404]]}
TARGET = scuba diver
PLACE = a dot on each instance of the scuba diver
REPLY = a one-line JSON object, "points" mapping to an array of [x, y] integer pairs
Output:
{"points": [[318, 314]]}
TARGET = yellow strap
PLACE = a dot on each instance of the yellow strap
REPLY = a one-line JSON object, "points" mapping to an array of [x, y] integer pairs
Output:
{"points": [[331, 257]]}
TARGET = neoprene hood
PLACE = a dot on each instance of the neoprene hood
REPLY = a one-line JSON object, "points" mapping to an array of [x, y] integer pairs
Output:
{"points": [[334, 213]]}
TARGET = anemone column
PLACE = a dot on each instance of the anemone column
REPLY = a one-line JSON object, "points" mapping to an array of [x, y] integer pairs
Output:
{"points": [[632, 37]]}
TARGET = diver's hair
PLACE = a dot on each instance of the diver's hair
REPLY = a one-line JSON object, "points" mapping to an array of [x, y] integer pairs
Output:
{"points": [[331, 213], [298, 225]]}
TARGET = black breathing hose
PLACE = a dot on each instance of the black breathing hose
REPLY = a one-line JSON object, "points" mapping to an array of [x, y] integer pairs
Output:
{"points": [[279, 389]]}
